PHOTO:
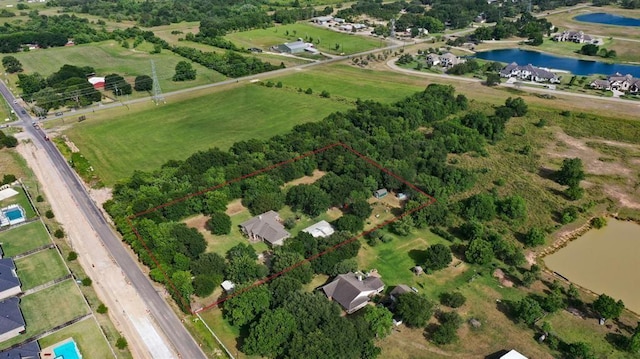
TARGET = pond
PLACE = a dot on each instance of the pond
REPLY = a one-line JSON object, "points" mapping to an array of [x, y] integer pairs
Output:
{"points": [[608, 19], [575, 66], [604, 261]]}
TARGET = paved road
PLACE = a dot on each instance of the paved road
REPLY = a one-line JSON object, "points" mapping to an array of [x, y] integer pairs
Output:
{"points": [[164, 316]]}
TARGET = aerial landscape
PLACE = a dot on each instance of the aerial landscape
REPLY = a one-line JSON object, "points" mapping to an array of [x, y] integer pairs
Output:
{"points": [[320, 179]]}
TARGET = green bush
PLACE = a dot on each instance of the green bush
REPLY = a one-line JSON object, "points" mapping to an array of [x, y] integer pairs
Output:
{"points": [[598, 222], [59, 233], [49, 214], [87, 282], [102, 309], [121, 343], [72, 256]]}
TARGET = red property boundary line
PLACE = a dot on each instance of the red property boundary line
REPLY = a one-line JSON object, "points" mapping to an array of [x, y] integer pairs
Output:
{"points": [[306, 260]]}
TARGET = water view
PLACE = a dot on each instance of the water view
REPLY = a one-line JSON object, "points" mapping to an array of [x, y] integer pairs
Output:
{"points": [[608, 19], [604, 261], [575, 66]]}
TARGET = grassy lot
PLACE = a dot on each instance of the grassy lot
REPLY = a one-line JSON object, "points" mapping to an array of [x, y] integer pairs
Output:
{"points": [[109, 57], [40, 268], [227, 333], [148, 137], [22, 200], [48, 308], [350, 82], [265, 38], [86, 334], [24, 238]]}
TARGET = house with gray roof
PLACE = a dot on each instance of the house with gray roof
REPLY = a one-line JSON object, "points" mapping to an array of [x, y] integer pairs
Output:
{"points": [[265, 227], [9, 282], [399, 290], [353, 291], [320, 229], [450, 60], [29, 350], [600, 84], [295, 47], [11, 319], [529, 72], [578, 37]]}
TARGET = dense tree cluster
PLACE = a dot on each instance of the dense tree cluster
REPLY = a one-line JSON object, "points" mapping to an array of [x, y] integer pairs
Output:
{"points": [[7, 141], [11, 64], [229, 63], [526, 26], [66, 87]]}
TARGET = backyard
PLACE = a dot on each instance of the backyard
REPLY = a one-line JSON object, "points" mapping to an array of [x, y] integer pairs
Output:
{"points": [[86, 334], [40, 268], [23, 238], [22, 200]]}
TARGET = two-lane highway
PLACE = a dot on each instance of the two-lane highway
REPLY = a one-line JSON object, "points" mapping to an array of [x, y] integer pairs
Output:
{"points": [[164, 316]]}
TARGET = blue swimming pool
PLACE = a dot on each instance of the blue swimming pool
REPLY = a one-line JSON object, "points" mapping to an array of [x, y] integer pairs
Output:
{"points": [[13, 214], [68, 350]]}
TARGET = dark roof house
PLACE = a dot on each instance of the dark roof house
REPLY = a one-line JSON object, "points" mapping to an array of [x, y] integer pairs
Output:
{"points": [[29, 350], [265, 227], [9, 282], [398, 290], [11, 320], [353, 291]]}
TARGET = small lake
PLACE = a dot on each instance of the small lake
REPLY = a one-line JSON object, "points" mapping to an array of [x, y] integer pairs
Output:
{"points": [[604, 261], [575, 66], [608, 19]]}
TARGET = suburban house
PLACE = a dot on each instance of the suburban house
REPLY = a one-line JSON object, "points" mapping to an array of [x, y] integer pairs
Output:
{"points": [[11, 321], [433, 60], [398, 290], [9, 282], [265, 227], [619, 82], [29, 350], [321, 20], [450, 60], [320, 229], [513, 354], [573, 36], [295, 47], [529, 72], [353, 291]]}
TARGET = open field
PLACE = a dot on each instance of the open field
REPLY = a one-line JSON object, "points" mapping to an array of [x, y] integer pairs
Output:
{"points": [[109, 57], [147, 138], [49, 308], [265, 38], [23, 238], [40, 268], [86, 334], [566, 21]]}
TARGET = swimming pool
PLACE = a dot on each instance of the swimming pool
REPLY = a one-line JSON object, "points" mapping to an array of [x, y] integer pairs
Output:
{"points": [[68, 350], [13, 214]]}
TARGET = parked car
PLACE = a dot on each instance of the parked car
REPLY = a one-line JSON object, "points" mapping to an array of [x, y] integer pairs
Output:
{"points": [[58, 113]]}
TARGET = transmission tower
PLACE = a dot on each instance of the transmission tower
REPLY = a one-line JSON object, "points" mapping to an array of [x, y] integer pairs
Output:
{"points": [[157, 91], [392, 31]]}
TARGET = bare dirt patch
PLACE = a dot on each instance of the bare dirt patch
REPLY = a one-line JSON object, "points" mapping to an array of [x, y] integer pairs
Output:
{"points": [[235, 207], [316, 175], [498, 273], [198, 222]]}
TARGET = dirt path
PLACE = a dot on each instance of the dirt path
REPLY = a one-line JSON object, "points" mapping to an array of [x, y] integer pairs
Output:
{"points": [[126, 309]]}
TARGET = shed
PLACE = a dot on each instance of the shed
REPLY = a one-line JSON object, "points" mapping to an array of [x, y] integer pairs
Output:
{"points": [[380, 193], [513, 354], [295, 47], [418, 270], [228, 286]]}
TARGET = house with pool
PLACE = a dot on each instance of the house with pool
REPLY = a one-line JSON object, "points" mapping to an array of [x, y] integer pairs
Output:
{"points": [[12, 215]]}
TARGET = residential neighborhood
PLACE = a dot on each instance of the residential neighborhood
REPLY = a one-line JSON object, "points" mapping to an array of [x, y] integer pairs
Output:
{"points": [[618, 82], [529, 73]]}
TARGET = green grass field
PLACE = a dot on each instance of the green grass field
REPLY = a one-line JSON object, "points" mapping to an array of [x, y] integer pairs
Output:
{"points": [[149, 137], [40, 268], [24, 238], [48, 308], [265, 38], [109, 57], [86, 334]]}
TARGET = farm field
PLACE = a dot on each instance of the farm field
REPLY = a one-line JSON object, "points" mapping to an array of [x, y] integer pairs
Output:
{"points": [[40, 268], [147, 138], [23, 238], [265, 38], [86, 334], [44, 310], [109, 57]]}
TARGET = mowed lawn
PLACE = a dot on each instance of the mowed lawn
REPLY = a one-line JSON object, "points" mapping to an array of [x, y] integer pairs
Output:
{"points": [[109, 57], [86, 334], [22, 200], [23, 238], [348, 81], [148, 137], [49, 308], [40, 268], [265, 38]]}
